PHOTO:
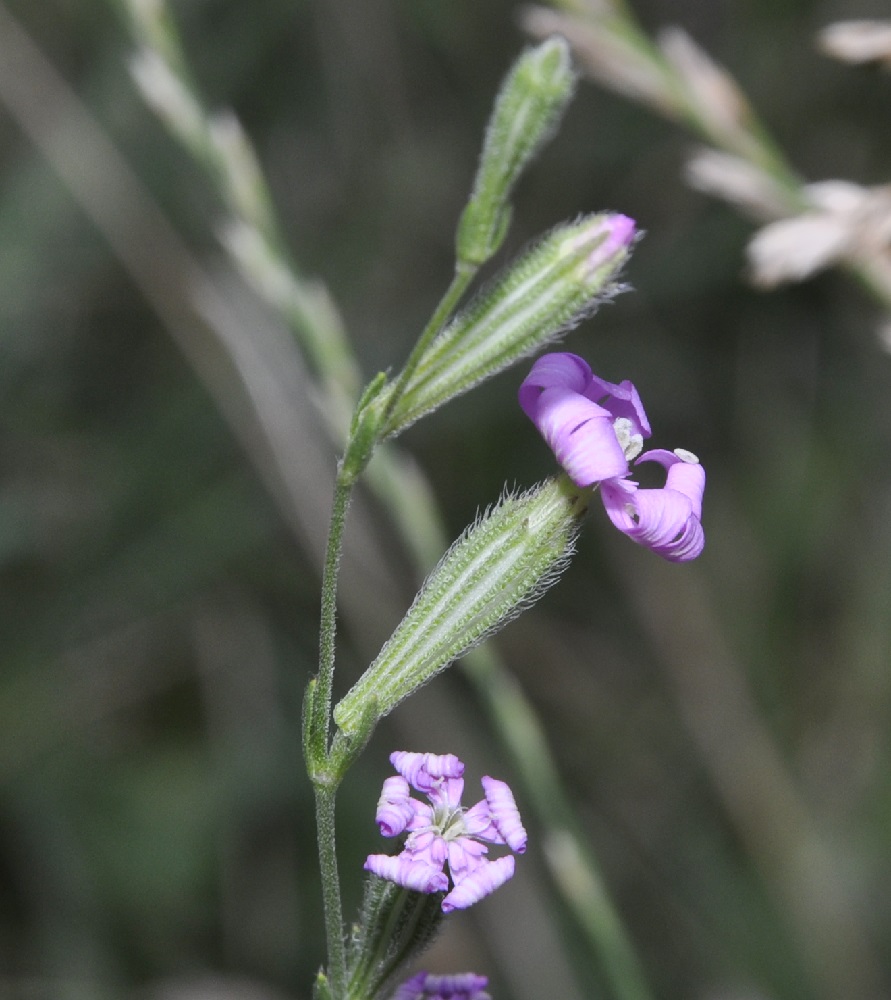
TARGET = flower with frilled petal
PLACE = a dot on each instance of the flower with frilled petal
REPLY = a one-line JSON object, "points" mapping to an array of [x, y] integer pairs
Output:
{"points": [[443, 832], [595, 428], [424, 986]]}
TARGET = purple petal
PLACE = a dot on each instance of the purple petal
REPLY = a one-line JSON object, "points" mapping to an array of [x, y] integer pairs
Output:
{"points": [[428, 846], [505, 814], [560, 370], [423, 770], [464, 986], [465, 855], [412, 989], [664, 520], [620, 233], [684, 474], [395, 809], [479, 883], [408, 872], [581, 435], [622, 400], [560, 396], [478, 823], [446, 793]]}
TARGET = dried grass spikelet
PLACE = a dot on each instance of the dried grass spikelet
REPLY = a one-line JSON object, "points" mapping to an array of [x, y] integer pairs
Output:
{"points": [[712, 94], [858, 41], [739, 182], [607, 55], [847, 222]]}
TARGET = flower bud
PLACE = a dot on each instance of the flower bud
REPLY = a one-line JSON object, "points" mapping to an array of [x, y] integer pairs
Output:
{"points": [[394, 927], [527, 110], [499, 566], [545, 292]]}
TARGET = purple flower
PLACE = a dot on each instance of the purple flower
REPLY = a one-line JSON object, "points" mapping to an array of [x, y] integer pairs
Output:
{"points": [[443, 832], [595, 428], [423, 986]]}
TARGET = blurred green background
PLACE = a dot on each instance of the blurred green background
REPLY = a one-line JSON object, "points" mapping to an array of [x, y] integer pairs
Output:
{"points": [[723, 727]]}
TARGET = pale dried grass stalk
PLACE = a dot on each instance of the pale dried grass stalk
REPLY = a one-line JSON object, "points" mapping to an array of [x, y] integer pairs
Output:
{"points": [[739, 182], [858, 41]]}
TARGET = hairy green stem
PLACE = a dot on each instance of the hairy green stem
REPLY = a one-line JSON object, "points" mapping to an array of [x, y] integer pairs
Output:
{"points": [[334, 932], [324, 782], [464, 274]]}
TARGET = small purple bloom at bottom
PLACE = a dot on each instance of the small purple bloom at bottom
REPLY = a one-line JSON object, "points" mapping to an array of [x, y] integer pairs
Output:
{"points": [[443, 832], [423, 986]]}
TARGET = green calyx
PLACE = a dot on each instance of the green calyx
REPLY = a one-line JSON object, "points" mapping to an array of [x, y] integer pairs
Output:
{"points": [[500, 565], [546, 291]]}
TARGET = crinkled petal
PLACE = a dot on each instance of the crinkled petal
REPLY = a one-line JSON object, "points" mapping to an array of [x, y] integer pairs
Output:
{"points": [[465, 854], [479, 883], [447, 792], [423, 770], [412, 989], [395, 807], [478, 823], [581, 435], [427, 845], [406, 871], [664, 520], [558, 370], [463, 986], [622, 400], [505, 815], [423, 817], [684, 474]]}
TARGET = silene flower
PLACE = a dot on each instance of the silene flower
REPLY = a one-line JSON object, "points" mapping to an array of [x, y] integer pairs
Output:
{"points": [[595, 428], [424, 986], [443, 832]]}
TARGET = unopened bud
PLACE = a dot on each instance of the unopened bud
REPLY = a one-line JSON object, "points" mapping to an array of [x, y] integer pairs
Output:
{"points": [[498, 567], [545, 292], [526, 113]]}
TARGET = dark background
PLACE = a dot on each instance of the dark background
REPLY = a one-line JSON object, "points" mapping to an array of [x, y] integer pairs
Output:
{"points": [[723, 727]]}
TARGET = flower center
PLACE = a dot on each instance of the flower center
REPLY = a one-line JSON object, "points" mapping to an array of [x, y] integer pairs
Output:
{"points": [[449, 822]]}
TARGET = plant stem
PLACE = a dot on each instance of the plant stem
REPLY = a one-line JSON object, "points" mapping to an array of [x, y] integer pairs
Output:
{"points": [[325, 800], [324, 781], [464, 274]]}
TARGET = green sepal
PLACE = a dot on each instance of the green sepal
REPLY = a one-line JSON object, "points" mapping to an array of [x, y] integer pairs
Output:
{"points": [[321, 990], [365, 430], [346, 747], [536, 298], [314, 749], [395, 925], [500, 565]]}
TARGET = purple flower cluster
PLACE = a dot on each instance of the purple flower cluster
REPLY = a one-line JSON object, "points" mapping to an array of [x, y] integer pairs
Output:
{"points": [[424, 986], [595, 428], [443, 832]]}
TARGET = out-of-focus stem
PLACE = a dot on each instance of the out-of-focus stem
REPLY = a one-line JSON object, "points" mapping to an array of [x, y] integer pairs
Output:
{"points": [[321, 715], [571, 862]]}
